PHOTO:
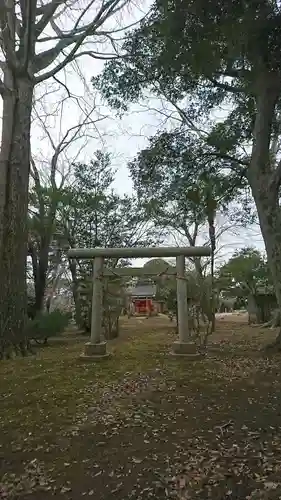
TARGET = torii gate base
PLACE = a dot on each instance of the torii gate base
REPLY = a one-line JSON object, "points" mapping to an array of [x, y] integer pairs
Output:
{"points": [[96, 349], [186, 349]]}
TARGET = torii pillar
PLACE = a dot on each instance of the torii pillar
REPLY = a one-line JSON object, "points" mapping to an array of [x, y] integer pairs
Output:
{"points": [[183, 346], [96, 348]]}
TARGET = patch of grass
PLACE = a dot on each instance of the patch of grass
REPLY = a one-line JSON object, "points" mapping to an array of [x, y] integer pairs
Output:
{"points": [[142, 424]]}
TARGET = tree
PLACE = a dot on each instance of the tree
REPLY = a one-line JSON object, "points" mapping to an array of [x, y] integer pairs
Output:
{"points": [[36, 46], [91, 214], [210, 54], [246, 270], [245, 274], [45, 195], [182, 188]]}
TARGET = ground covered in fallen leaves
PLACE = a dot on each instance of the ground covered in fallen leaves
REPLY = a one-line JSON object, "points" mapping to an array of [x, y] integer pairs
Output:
{"points": [[143, 424]]}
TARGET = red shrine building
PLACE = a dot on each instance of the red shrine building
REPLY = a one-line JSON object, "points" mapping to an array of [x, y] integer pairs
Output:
{"points": [[142, 301]]}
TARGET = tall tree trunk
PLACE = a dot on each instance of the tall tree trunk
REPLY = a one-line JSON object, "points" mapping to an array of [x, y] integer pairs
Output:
{"points": [[261, 175], [270, 223], [14, 176]]}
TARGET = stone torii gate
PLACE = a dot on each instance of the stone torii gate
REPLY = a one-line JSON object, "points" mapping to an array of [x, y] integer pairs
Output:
{"points": [[97, 348]]}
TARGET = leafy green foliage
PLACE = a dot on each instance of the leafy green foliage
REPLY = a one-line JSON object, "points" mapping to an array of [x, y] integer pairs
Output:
{"points": [[178, 165], [246, 271], [195, 47], [85, 212], [182, 54], [46, 325], [199, 55], [43, 247], [92, 214], [182, 185]]}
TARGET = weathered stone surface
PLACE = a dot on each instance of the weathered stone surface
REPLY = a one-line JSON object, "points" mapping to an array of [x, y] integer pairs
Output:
{"points": [[94, 351], [188, 349]]}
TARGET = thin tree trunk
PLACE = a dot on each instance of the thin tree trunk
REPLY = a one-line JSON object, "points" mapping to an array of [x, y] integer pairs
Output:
{"points": [[40, 266], [50, 297], [253, 315], [77, 303], [47, 230], [32, 252], [41, 279], [212, 235], [213, 311], [14, 177]]}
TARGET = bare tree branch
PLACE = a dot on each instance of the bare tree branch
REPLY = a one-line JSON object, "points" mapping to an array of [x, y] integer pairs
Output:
{"points": [[63, 85], [46, 58], [28, 39], [186, 120], [3, 88], [95, 55], [7, 24], [227, 87], [47, 12], [228, 157], [73, 134], [36, 177]]}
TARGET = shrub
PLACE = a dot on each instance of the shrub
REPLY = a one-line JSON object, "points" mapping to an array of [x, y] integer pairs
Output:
{"points": [[46, 325]]}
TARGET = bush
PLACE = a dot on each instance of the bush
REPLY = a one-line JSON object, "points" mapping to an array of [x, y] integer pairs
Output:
{"points": [[46, 325]]}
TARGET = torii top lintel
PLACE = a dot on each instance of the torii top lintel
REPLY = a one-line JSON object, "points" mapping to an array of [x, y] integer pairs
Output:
{"points": [[138, 252]]}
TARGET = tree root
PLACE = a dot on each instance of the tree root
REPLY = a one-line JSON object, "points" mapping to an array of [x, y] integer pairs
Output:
{"points": [[269, 324], [12, 349], [274, 346], [274, 322]]}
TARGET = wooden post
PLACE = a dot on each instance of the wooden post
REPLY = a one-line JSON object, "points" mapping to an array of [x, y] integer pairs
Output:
{"points": [[182, 300]]}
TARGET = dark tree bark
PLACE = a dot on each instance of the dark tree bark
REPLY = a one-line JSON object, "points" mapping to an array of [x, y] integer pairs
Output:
{"points": [[21, 25], [265, 179], [14, 175], [40, 264], [41, 277]]}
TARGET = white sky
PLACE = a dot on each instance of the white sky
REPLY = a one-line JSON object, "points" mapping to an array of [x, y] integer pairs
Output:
{"points": [[123, 138]]}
